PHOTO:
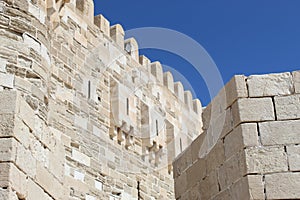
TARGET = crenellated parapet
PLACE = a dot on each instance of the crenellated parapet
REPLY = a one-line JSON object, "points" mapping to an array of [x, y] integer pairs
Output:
{"points": [[90, 110]]}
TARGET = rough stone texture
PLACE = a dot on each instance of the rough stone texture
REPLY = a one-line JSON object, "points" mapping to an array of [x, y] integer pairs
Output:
{"points": [[280, 132], [270, 85], [296, 79], [283, 186], [255, 153], [287, 107], [294, 157], [253, 110]]}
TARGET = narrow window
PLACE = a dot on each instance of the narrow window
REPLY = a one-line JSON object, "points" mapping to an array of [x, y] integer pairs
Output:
{"points": [[138, 188], [156, 125], [180, 145], [127, 106], [89, 89]]}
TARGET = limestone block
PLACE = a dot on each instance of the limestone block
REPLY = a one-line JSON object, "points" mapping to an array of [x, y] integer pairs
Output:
{"points": [[35, 191], [224, 195], [181, 185], [232, 170], [117, 34], [4, 175], [256, 187], [197, 107], [26, 161], [182, 162], [266, 160], [245, 135], [3, 63], [296, 79], [196, 145], [209, 186], [31, 42], [157, 71], [27, 114], [215, 157], [196, 172], [50, 184], [236, 88], [283, 186], [294, 157], [81, 158], [6, 124], [104, 25], [7, 80], [18, 181], [287, 107], [240, 190], [280, 132], [8, 149], [270, 85], [253, 110]]}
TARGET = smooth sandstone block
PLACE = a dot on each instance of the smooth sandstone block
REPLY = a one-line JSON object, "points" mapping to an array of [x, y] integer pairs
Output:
{"points": [[256, 186], [287, 107], [236, 88], [8, 102], [283, 186], [8, 149], [253, 110], [280, 132], [270, 85]]}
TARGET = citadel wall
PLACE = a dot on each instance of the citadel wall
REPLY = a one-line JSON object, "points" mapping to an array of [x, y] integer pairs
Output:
{"points": [[256, 151], [82, 115]]}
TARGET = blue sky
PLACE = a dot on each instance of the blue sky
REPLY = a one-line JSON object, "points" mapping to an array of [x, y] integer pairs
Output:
{"points": [[242, 37]]}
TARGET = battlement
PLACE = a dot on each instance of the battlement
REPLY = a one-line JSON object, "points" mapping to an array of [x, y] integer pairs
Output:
{"points": [[86, 108]]}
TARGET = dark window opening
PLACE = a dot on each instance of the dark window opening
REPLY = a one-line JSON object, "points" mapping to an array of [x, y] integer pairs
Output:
{"points": [[156, 125], [180, 145], [139, 192], [89, 89], [127, 106]]}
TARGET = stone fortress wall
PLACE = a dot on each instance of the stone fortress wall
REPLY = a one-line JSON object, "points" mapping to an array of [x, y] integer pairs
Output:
{"points": [[82, 115], [256, 153]]}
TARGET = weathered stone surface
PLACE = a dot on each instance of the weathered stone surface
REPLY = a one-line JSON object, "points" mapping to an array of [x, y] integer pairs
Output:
{"points": [[240, 189], [270, 85], [280, 132], [245, 135], [8, 149], [209, 186], [296, 79], [266, 160], [196, 173], [294, 157], [8, 102], [256, 187], [287, 107], [283, 186], [236, 88], [253, 110]]}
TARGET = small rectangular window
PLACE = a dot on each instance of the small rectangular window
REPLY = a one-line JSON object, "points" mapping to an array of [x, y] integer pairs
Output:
{"points": [[89, 89], [156, 125], [127, 106], [180, 145]]}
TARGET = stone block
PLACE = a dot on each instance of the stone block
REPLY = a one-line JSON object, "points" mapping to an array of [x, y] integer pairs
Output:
{"points": [[25, 161], [236, 88], [296, 79], [287, 107], [283, 186], [209, 186], [270, 85], [245, 135], [182, 162], [8, 149], [240, 190], [104, 25], [280, 132], [294, 157], [36, 192], [81, 158], [117, 34], [253, 110], [256, 187], [27, 114], [196, 172], [181, 185], [6, 125], [8, 101], [215, 157], [224, 195], [266, 160], [49, 183]]}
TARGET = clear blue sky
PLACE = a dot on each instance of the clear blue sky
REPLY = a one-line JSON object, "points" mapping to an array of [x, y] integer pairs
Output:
{"points": [[242, 37]]}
